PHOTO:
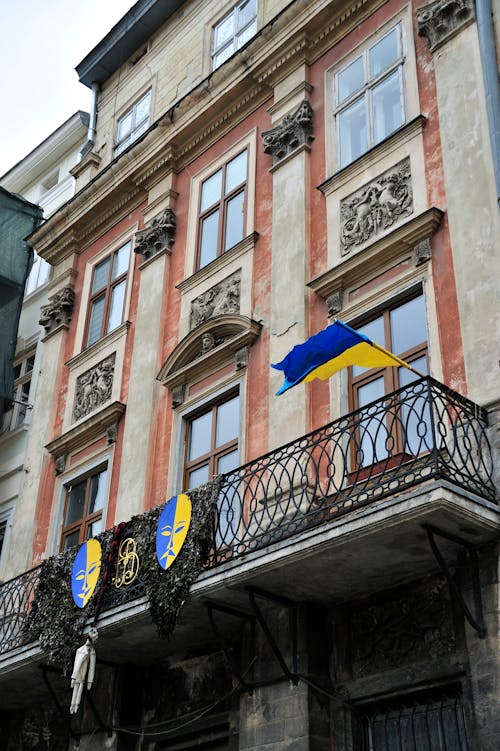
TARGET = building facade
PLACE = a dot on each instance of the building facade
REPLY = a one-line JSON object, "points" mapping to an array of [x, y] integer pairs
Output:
{"points": [[255, 171], [43, 178]]}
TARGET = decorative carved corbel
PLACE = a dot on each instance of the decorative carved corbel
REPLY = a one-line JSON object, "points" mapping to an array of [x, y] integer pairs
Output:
{"points": [[294, 131], [178, 394], [241, 358], [111, 433], [422, 251], [60, 464], [159, 235], [334, 303], [441, 19], [59, 310]]}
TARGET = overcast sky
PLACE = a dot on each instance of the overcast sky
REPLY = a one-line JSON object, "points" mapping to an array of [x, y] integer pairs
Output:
{"points": [[41, 42]]}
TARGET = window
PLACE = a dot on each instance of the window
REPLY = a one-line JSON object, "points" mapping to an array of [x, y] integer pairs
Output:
{"points": [[233, 31], [85, 499], [3, 532], [402, 329], [212, 442], [133, 123], [221, 220], [369, 97], [107, 294], [38, 275], [15, 414]]}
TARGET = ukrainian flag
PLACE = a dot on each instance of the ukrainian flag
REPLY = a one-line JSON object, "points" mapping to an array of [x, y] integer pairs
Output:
{"points": [[336, 347]]}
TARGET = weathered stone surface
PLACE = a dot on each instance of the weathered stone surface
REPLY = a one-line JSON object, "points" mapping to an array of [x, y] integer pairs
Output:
{"points": [[157, 236], [294, 131], [94, 387], [441, 19], [59, 310], [219, 299]]}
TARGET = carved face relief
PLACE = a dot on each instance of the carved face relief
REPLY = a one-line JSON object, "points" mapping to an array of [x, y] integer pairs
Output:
{"points": [[218, 300]]}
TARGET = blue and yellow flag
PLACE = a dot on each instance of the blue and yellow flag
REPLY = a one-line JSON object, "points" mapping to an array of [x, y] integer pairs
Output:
{"points": [[336, 347]]}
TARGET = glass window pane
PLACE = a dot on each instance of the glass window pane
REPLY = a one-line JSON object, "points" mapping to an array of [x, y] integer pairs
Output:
{"points": [[349, 80], [372, 430], [408, 325], [224, 31], [211, 190], [374, 330], [387, 106], [198, 477], [352, 132], [71, 540], [30, 361], [384, 53], [121, 260], [200, 436], [101, 274], [96, 318], [222, 56], [95, 528], [415, 415], [246, 34], [125, 126], [76, 503], [228, 462], [142, 108], [246, 12], [235, 212], [209, 236], [228, 421], [116, 308], [236, 171], [98, 489]]}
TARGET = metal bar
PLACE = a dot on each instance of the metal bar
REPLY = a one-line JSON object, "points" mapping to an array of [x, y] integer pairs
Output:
{"points": [[267, 631], [210, 608], [476, 623], [56, 701]]}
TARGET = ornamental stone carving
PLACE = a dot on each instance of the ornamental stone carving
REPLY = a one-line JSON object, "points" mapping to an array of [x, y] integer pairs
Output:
{"points": [[93, 388], [222, 298], [294, 131], [376, 206], [159, 235], [441, 19], [334, 303], [423, 252], [59, 310]]}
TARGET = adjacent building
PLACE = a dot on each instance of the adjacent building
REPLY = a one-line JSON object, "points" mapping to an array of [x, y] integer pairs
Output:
{"points": [[254, 171]]}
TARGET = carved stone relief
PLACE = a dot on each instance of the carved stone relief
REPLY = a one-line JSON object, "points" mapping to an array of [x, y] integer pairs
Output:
{"points": [[441, 19], [178, 395], [423, 252], [376, 206], [157, 236], [417, 625], [222, 298], [294, 131], [93, 388], [334, 303], [241, 358], [59, 310]]}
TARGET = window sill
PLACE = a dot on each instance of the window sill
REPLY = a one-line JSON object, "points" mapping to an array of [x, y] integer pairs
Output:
{"points": [[248, 243], [406, 133], [98, 347]]}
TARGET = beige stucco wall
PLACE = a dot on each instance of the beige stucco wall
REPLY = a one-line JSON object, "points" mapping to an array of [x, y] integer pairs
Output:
{"points": [[473, 213]]}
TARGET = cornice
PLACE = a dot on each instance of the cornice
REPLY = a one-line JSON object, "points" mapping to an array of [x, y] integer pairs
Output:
{"points": [[88, 430], [387, 250]]}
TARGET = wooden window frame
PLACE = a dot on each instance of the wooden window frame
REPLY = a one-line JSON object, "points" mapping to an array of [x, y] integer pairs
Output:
{"points": [[364, 92], [236, 32], [131, 136], [221, 205], [23, 377], [107, 291], [215, 453], [81, 525]]}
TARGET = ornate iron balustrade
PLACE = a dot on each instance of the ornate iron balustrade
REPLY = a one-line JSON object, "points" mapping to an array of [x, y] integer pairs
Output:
{"points": [[420, 432]]}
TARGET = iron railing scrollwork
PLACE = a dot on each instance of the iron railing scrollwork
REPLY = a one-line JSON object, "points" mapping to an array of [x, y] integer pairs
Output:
{"points": [[420, 432]]}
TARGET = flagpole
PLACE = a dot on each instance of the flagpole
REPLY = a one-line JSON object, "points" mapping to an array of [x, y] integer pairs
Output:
{"points": [[398, 360]]}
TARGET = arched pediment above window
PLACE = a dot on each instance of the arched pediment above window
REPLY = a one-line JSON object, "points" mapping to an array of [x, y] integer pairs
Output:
{"points": [[210, 346]]}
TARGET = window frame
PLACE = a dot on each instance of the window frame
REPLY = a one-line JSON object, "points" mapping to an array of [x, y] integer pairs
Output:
{"points": [[40, 269], [25, 376], [107, 291], [212, 457], [83, 523], [123, 143], [364, 93], [237, 31], [5, 523], [221, 206]]}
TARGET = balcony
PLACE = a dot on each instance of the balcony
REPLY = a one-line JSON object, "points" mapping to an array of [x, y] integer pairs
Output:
{"points": [[337, 514]]}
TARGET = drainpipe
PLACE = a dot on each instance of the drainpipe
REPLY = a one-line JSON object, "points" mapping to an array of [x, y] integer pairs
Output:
{"points": [[91, 132], [484, 15]]}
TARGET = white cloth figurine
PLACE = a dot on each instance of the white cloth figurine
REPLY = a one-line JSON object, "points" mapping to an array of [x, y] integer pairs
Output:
{"points": [[83, 669]]}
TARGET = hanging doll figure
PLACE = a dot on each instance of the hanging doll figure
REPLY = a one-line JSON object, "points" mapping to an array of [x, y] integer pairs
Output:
{"points": [[83, 669]]}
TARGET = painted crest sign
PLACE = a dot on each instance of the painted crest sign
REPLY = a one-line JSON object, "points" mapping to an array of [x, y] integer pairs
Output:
{"points": [[85, 573], [172, 529]]}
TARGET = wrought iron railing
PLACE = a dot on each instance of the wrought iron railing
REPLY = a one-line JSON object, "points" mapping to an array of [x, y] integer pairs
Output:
{"points": [[420, 432]]}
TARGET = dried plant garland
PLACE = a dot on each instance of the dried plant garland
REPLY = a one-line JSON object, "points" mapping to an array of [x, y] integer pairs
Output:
{"points": [[59, 624]]}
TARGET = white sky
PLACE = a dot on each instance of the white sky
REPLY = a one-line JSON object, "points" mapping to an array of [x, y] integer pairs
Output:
{"points": [[41, 42]]}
